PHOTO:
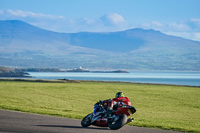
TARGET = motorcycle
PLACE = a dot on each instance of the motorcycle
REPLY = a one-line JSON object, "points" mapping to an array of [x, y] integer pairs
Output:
{"points": [[114, 119]]}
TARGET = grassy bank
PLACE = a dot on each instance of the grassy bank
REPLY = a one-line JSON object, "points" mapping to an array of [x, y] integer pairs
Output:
{"points": [[166, 107]]}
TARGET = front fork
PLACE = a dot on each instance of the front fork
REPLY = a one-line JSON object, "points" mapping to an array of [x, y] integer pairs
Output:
{"points": [[113, 118]]}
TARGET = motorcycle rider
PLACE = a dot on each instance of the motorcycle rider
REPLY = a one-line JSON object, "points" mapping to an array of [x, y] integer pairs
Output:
{"points": [[111, 105]]}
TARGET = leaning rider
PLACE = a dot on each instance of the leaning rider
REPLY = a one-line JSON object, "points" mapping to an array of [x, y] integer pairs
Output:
{"points": [[112, 104]]}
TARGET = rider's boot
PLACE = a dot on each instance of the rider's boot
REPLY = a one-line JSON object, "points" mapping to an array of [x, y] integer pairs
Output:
{"points": [[130, 120]]}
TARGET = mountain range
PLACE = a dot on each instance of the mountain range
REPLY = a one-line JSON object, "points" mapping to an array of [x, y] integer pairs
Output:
{"points": [[24, 45]]}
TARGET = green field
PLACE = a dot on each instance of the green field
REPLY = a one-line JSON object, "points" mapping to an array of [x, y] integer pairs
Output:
{"points": [[158, 106]]}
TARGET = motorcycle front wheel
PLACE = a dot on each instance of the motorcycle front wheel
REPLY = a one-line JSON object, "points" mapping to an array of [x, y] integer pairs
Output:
{"points": [[114, 125], [86, 121]]}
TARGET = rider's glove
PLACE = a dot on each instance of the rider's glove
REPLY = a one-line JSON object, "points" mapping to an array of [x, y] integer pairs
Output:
{"points": [[100, 101], [109, 100]]}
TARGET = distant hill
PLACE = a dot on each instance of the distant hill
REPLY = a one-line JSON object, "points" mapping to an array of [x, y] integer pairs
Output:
{"points": [[24, 45]]}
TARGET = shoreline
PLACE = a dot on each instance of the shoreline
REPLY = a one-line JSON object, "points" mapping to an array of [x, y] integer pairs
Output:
{"points": [[79, 81]]}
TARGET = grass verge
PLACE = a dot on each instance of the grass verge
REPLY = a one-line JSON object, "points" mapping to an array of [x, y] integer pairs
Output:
{"points": [[158, 106]]}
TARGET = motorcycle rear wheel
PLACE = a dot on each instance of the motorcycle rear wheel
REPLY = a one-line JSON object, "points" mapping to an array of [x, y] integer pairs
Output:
{"points": [[86, 121], [119, 123]]}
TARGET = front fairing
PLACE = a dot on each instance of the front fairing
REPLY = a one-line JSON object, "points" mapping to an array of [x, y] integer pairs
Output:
{"points": [[123, 110]]}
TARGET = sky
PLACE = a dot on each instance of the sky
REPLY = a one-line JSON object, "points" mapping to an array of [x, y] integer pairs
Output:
{"points": [[173, 17]]}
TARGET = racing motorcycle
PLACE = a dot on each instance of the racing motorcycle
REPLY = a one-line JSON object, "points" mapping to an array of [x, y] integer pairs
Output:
{"points": [[114, 119]]}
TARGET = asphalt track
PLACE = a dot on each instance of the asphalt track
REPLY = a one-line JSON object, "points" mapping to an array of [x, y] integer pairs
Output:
{"points": [[18, 122]]}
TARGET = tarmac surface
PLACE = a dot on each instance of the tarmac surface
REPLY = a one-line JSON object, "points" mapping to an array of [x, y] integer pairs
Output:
{"points": [[18, 122]]}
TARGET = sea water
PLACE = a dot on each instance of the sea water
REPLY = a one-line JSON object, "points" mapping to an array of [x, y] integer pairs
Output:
{"points": [[176, 78]]}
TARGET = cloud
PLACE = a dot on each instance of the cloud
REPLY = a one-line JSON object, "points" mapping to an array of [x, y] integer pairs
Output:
{"points": [[113, 19], [151, 25], [25, 14], [178, 26], [157, 24], [1, 12], [197, 35], [194, 24]]}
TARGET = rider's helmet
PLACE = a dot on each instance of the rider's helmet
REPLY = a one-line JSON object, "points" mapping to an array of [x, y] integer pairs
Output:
{"points": [[119, 94]]}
